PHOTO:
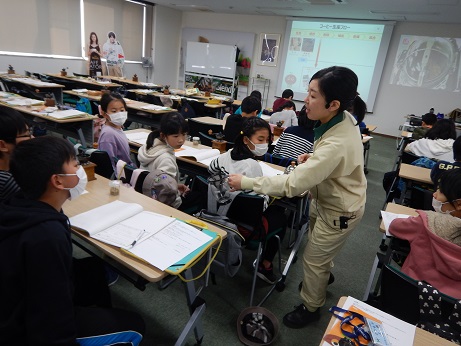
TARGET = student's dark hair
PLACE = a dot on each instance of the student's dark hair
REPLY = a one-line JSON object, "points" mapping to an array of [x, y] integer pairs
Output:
{"points": [[108, 98], [111, 34], [287, 93], [450, 184], [44, 155], [429, 118], [442, 129], [251, 104], [97, 40], [170, 124], [249, 127], [257, 94], [304, 121], [287, 104], [457, 149], [12, 123], [359, 106], [339, 83]]}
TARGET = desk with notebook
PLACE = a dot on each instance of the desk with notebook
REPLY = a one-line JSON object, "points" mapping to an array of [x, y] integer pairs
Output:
{"points": [[139, 272], [71, 123], [132, 84]]}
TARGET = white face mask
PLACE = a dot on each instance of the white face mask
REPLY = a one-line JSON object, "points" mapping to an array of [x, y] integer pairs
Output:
{"points": [[78, 189], [260, 149], [437, 205], [118, 118]]}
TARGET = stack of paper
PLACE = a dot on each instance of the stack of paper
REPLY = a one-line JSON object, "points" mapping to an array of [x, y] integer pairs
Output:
{"points": [[155, 107], [269, 171], [149, 84], [80, 91], [137, 137], [70, 113], [22, 101]]}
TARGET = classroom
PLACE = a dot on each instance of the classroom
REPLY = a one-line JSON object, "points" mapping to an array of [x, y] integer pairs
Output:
{"points": [[53, 37]]}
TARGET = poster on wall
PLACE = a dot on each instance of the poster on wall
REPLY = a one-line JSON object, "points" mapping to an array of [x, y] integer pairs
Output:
{"points": [[209, 84], [428, 62]]}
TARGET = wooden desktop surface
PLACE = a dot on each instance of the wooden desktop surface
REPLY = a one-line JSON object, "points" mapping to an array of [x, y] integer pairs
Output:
{"points": [[99, 195], [371, 128], [397, 209], [125, 80], [422, 337], [31, 83], [84, 80], [419, 174]]}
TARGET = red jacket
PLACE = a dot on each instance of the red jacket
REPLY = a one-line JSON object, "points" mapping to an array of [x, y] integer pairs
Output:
{"points": [[432, 258]]}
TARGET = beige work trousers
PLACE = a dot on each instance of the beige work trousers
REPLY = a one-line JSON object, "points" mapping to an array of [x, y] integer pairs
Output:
{"points": [[325, 240], [115, 70]]}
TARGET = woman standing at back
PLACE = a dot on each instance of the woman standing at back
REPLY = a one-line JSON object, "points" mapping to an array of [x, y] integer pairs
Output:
{"points": [[334, 176]]}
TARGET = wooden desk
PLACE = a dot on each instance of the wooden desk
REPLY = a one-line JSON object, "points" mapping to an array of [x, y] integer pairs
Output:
{"points": [[33, 86], [130, 83], [422, 337], [99, 195], [371, 128], [79, 127], [414, 173], [133, 107], [397, 209], [210, 120], [84, 82]]}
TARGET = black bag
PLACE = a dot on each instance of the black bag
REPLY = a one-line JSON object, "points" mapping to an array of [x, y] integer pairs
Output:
{"points": [[229, 258], [186, 109]]}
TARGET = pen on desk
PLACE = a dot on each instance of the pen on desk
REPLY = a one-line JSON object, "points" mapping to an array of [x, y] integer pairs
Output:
{"points": [[137, 238]]}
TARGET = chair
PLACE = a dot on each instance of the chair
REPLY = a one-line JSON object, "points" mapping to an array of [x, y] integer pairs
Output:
{"points": [[129, 170], [195, 127], [399, 296], [102, 161], [247, 211]]}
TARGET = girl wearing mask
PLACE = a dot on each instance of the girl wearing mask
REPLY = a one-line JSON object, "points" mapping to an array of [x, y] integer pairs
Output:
{"points": [[253, 141], [112, 139], [435, 238]]}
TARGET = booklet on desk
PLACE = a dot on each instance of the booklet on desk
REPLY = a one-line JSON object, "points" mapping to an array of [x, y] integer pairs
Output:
{"points": [[204, 156], [157, 239]]}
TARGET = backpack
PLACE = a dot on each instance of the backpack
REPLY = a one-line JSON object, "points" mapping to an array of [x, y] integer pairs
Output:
{"points": [[186, 109], [229, 258], [84, 105]]}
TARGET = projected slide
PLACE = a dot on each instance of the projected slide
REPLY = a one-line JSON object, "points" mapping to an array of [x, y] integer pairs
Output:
{"points": [[428, 62], [313, 45]]}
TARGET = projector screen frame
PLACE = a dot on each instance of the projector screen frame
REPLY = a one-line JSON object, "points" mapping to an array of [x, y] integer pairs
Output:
{"points": [[380, 60]]}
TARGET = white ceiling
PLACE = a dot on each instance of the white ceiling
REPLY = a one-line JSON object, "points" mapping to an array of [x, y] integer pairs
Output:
{"points": [[434, 11]]}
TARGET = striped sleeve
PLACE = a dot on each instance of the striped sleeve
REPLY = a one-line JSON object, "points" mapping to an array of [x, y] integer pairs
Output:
{"points": [[8, 186], [290, 145]]}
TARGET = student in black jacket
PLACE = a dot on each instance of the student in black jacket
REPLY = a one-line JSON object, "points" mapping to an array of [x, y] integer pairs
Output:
{"points": [[37, 274], [251, 107]]}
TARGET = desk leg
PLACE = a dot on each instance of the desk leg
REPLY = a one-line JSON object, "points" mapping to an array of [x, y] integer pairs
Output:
{"points": [[196, 308]]}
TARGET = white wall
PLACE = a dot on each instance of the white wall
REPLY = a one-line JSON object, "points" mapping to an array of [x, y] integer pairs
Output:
{"points": [[166, 42], [392, 102]]}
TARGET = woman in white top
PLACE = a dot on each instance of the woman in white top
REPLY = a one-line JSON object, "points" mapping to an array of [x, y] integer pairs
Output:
{"points": [[286, 113]]}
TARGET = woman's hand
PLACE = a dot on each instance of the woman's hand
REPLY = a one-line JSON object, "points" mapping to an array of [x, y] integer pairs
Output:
{"points": [[183, 189], [303, 158], [235, 182]]}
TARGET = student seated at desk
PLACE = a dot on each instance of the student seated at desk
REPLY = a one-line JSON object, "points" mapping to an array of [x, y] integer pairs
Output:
{"points": [[286, 113], [435, 238], [428, 120], [158, 154], [438, 142], [287, 95], [256, 94], [297, 140], [252, 142], [39, 284], [251, 106], [112, 139], [442, 166], [13, 130]]}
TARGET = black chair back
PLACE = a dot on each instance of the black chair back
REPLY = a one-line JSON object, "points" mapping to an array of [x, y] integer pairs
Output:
{"points": [[103, 163], [81, 75], [247, 211], [400, 296]]}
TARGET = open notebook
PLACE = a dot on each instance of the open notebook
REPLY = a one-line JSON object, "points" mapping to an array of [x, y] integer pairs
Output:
{"points": [[159, 240], [204, 156]]}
